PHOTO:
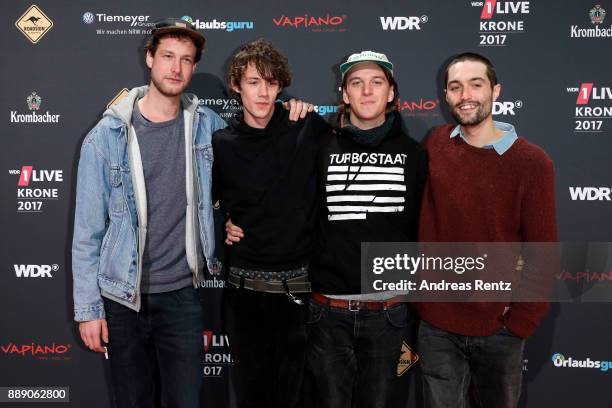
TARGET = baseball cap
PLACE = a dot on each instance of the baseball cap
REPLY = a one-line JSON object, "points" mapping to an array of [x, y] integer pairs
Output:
{"points": [[183, 25], [363, 56]]}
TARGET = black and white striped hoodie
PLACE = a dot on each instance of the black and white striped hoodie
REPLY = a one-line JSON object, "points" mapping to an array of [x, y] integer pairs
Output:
{"points": [[371, 183]]}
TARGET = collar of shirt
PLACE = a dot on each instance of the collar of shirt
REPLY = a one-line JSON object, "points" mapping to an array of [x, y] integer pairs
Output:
{"points": [[502, 145]]}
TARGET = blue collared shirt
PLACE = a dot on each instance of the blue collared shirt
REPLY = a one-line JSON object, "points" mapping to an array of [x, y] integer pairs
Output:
{"points": [[502, 145]]}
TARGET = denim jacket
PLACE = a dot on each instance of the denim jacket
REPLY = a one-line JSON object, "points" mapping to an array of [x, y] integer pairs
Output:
{"points": [[110, 222]]}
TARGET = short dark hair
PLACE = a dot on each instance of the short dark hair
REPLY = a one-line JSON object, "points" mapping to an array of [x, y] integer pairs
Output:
{"points": [[391, 106], [269, 61], [153, 42], [471, 56]]}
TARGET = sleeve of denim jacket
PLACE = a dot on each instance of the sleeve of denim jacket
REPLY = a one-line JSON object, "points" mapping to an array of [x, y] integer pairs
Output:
{"points": [[90, 225], [216, 122]]}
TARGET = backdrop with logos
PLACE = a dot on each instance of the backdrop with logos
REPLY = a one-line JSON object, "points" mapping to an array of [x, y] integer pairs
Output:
{"points": [[65, 62]]}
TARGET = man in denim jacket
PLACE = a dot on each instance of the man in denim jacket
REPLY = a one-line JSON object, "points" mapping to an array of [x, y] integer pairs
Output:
{"points": [[144, 227]]}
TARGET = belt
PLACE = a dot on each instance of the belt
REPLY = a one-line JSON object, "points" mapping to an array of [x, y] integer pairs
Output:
{"points": [[299, 284], [353, 305]]}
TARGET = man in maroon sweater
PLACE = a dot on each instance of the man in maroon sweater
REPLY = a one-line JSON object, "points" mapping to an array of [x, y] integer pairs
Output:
{"points": [[485, 184]]}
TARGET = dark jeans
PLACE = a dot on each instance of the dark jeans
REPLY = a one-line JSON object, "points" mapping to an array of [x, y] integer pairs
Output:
{"points": [[352, 357], [489, 367], [267, 339], [163, 340]]}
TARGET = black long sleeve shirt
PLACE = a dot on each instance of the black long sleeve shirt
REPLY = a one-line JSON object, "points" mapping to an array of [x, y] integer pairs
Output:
{"points": [[265, 180]]}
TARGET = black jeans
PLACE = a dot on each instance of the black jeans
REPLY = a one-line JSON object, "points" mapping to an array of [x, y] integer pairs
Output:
{"points": [[267, 339], [490, 367], [352, 357], [164, 339]]}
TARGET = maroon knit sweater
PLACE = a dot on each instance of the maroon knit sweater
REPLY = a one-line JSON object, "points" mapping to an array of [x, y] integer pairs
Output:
{"points": [[476, 195]]}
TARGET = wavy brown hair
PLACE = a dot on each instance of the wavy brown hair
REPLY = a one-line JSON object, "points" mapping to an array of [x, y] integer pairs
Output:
{"points": [[269, 61]]}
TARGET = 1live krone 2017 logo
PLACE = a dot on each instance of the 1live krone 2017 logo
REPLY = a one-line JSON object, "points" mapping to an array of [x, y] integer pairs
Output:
{"points": [[35, 187], [593, 107], [500, 21]]}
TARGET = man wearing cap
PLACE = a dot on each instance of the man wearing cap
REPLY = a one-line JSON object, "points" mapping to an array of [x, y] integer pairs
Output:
{"points": [[372, 176], [143, 230]]}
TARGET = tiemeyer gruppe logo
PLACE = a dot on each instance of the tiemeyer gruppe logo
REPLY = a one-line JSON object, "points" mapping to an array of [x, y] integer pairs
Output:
{"points": [[34, 102], [35, 271], [107, 24], [34, 24], [500, 21], [403, 23], [37, 350], [596, 16], [589, 114], [560, 361], [328, 23], [225, 107], [33, 187], [216, 353]]}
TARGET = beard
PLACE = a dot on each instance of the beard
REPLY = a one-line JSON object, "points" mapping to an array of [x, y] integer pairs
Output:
{"points": [[167, 90], [482, 112]]}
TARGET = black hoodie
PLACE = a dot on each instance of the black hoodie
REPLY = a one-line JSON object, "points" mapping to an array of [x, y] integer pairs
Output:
{"points": [[265, 180], [372, 183]]}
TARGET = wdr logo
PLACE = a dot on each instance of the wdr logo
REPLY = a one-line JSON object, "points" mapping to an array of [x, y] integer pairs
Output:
{"points": [[506, 107], [403, 23], [590, 193], [35, 271]]}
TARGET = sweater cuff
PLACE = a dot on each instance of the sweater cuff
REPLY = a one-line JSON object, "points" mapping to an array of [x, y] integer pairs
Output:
{"points": [[524, 318]]}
